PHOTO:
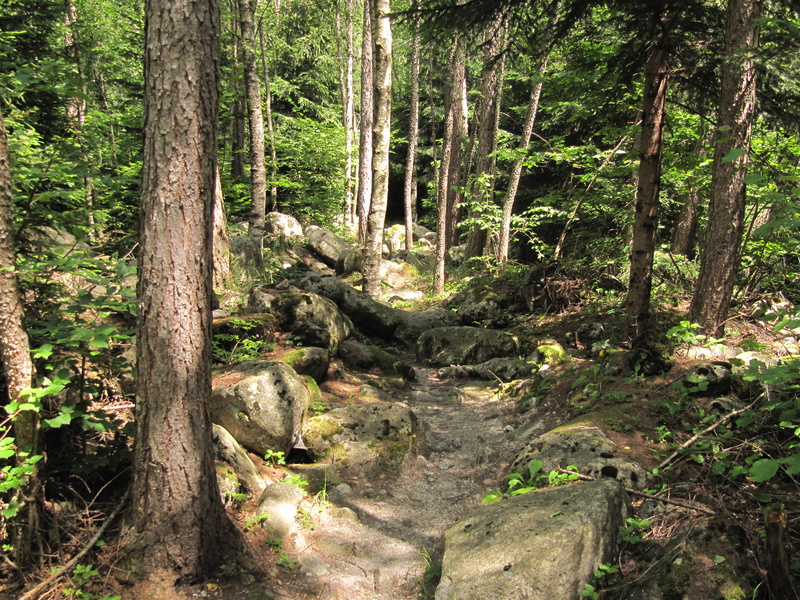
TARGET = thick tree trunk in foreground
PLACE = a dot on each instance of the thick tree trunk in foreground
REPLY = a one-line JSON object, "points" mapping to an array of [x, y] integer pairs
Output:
{"points": [[646, 217], [258, 173], [720, 260], [180, 529], [15, 354], [382, 34]]}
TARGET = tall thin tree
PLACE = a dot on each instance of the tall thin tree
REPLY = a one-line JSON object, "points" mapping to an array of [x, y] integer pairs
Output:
{"points": [[382, 35], [410, 182], [365, 142]]}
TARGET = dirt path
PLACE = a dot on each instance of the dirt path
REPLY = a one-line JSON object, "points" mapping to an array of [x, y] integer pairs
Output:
{"points": [[371, 543]]}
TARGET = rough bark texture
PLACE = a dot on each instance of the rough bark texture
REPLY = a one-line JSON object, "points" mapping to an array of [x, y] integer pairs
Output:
{"points": [[488, 107], [410, 186], [15, 355], [179, 524], [460, 127], [348, 108], [647, 192], [726, 205], [364, 195], [516, 171], [258, 173], [444, 171], [684, 233], [382, 34], [223, 277], [273, 154]]}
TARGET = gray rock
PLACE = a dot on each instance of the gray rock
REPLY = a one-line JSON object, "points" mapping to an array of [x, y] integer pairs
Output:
{"points": [[246, 260], [364, 437], [311, 361], [261, 404], [282, 227], [367, 314], [712, 378], [313, 319], [231, 452], [350, 261], [325, 244], [280, 502], [541, 545], [587, 448], [504, 369], [444, 346], [413, 324]]}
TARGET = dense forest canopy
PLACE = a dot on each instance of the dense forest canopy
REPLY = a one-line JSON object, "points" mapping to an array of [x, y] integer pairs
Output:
{"points": [[616, 141]]}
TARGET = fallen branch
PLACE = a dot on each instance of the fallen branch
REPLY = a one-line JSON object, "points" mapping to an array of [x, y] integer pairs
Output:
{"points": [[34, 593], [681, 503], [707, 430]]}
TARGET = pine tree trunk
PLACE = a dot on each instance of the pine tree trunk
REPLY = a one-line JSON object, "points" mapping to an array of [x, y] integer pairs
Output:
{"points": [[382, 34], [720, 260], [180, 529], [15, 355], [238, 107], [646, 215], [410, 187], [460, 128], [223, 276], [258, 174], [348, 110], [443, 190], [273, 154], [365, 146], [516, 172], [482, 187]]}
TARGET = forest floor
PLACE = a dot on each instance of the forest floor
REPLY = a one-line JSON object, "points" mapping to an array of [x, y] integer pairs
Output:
{"points": [[380, 538]]}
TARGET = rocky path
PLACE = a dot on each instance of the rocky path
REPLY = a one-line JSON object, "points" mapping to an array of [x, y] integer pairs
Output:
{"points": [[376, 537]]}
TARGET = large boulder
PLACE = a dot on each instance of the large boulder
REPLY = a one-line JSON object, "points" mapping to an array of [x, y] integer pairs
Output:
{"points": [[369, 315], [325, 244], [541, 545], [587, 448], [413, 324], [313, 319], [504, 369], [261, 404], [362, 438], [708, 378], [444, 346], [282, 227]]}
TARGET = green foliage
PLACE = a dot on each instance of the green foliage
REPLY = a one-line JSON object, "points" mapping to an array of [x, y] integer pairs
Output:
{"points": [[635, 529], [276, 457], [603, 577], [430, 577], [522, 484], [240, 340], [81, 575], [311, 170]]}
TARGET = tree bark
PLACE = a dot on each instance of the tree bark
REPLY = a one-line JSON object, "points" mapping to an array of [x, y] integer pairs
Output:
{"points": [[720, 260], [221, 244], [365, 145], [460, 127], [179, 525], [443, 190], [410, 184], [516, 171], [647, 192], [348, 110], [382, 35], [238, 106], [482, 187], [273, 154], [15, 355], [258, 174]]}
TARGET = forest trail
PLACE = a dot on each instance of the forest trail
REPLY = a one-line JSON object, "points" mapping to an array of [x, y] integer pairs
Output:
{"points": [[377, 536]]}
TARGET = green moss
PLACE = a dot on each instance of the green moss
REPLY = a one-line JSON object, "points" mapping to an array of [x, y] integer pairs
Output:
{"points": [[322, 428], [293, 356]]}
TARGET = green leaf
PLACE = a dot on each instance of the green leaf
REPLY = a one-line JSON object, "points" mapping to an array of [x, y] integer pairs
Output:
{"points": [[719, 559], [763, 469], [733, 155], [754, 179]]}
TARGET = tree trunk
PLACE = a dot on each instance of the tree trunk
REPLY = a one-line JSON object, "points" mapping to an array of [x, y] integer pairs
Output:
{"points": [[238, 106], [364, 196], [410, 187], [516, 172], [258, 175], [482, 187], [460, 127], [731, 155], [348, 110], [15, 355], [273, 154], [686, 225], [180, 528], [443, 190], [223, 277], [382, 34], [647, 192]]}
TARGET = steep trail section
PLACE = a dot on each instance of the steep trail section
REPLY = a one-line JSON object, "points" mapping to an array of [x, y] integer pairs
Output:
{"points": [[375, 540]]}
